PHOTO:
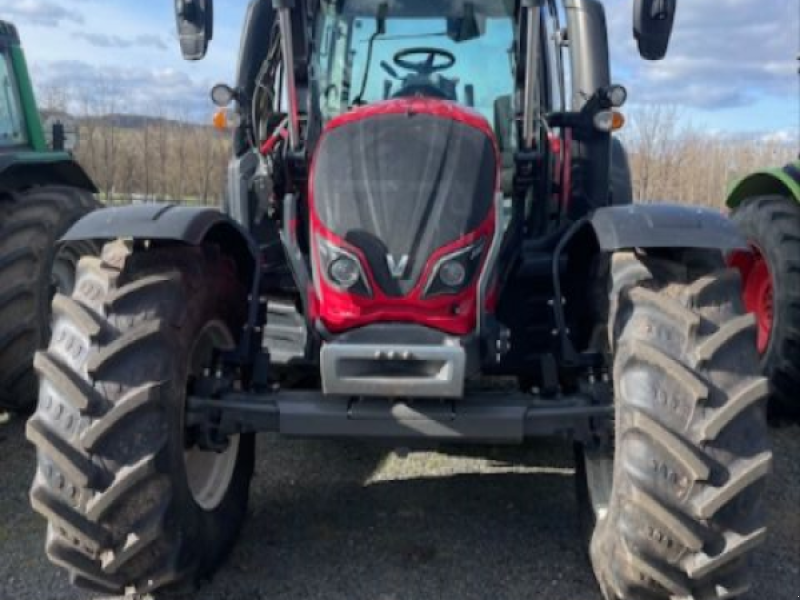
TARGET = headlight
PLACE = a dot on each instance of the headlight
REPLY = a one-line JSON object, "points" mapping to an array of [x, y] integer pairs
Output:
{"points": [[452, 273], [344, 271]]}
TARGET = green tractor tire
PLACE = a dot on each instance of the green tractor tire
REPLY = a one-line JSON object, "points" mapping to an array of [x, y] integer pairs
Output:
{"points": [[43, 192], [771, 288], [33, 267]]}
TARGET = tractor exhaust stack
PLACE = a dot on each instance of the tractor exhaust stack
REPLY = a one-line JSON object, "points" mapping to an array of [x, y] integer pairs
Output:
{"points": [[287, 49], [534, 17], [588, 47]]}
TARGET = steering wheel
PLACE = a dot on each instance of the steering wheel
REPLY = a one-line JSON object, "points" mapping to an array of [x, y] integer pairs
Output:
{"points": [[427, 66]]}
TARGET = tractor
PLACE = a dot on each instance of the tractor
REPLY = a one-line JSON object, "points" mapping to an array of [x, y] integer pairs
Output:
{"points": [[421, 245], [765, 207], [43, 192]]}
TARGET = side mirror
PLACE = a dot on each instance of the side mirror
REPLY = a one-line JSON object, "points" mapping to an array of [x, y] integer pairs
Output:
{"points": [[195, 19], [652, 26]]}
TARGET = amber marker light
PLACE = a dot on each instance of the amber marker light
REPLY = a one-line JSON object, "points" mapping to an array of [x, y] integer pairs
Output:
{"points": [[220, 120]]}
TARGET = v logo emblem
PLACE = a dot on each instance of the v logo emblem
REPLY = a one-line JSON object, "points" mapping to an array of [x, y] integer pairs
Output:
{"points": [[397, 268]]}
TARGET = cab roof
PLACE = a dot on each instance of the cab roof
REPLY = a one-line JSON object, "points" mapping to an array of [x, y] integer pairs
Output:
{"points": [[8, 34], [425, 9]]}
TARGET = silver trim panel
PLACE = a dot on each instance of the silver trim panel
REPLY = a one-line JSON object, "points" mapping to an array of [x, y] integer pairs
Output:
{"points": [[490, 267], [413, 370], [240, 171], [287, 48]]}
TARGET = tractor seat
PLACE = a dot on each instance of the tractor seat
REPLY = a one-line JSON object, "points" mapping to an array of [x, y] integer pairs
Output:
{"points": [[427, 87], [421, 90]]}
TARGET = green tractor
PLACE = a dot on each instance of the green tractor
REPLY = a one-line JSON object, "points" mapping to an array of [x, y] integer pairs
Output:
{"points": [[43, 191], [766, 206]]}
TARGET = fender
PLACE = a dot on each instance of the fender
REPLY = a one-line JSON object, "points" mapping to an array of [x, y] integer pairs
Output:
{"points": [[778, 182], [664, 226], [22, 170], [647, 226], [170, 222]]}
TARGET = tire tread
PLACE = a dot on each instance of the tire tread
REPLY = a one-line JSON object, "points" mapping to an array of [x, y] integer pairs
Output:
{"points": [[685, 511]]}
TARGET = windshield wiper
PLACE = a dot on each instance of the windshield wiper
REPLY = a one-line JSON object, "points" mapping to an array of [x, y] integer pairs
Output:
{"points": [[408, 36], [380, 29]]}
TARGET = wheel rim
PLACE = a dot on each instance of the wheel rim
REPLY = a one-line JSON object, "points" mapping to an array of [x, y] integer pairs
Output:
{"points": [[63, 272], [758, 292], [62, 275], [599, 473], [209, 474]]}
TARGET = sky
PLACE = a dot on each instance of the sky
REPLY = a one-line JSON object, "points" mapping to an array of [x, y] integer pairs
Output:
{"points": [[732, 66]]}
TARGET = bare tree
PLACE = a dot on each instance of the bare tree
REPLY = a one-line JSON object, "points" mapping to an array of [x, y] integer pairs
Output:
{"points": [[109, 91], [674, 161], [54, 98]]}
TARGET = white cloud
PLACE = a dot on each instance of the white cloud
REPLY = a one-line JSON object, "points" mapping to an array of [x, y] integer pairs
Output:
{"points": [[46, 13], [102, 40], [789, 137], [131, 90]]}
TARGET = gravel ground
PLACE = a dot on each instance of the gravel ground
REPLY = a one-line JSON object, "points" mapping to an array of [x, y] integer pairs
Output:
{"points": [[331, 520]]}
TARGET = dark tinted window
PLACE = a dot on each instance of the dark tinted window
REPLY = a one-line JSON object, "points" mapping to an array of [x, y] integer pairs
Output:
{"points": [[12, 123]]}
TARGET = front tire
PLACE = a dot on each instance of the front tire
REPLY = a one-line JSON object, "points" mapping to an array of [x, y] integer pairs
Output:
{"points": [[130, 504], [679, 509]]}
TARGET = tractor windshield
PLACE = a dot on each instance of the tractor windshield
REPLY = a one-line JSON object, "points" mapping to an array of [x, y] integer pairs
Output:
{"points": [[367, 51], [12, 132]]}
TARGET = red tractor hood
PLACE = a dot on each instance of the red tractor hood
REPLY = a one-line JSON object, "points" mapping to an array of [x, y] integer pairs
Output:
{"points": [[403, 187]]}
